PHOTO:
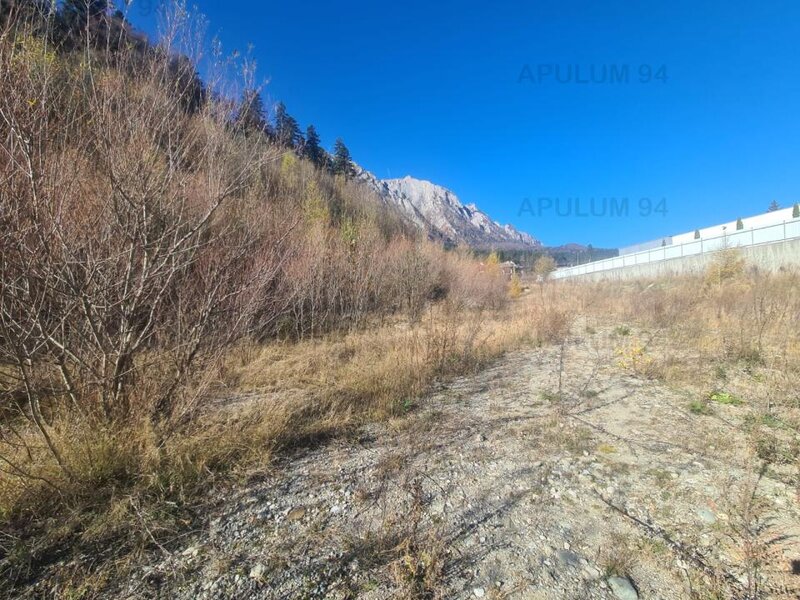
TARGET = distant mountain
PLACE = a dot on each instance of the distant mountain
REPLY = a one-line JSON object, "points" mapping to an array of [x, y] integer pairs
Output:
{"points": [[441, 214]]}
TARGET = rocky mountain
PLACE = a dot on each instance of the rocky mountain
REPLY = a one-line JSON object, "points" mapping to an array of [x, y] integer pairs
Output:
{"points": [[438, 211]]}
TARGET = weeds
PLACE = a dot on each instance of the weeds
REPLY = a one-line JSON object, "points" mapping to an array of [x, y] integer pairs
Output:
{"points": [[759, 542], [724, 398], [622, 331], [634, 357], [700, 407], [619, 556]]}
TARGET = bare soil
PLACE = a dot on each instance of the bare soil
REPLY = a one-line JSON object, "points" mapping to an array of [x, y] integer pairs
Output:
{"points": [[552, 474]]}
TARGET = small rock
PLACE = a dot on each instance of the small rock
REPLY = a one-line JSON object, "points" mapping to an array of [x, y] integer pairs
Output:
{"points": [[296, 514], [707, 516], [591, 572], [257, 572], [623, 588], [568, 558], [479, 592]]}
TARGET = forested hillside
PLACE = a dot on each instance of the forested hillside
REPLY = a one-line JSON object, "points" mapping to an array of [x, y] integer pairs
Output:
{"points": [[153, 227]]}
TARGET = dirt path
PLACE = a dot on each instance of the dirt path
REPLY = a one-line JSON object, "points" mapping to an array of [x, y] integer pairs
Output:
{"points": [[499, 486]]}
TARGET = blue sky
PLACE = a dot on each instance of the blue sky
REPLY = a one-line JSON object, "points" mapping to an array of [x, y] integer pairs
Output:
{"points": [[433, 90]]}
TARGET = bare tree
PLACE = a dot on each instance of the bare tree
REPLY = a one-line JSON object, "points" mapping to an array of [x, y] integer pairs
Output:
{"points": [[123, 257]]}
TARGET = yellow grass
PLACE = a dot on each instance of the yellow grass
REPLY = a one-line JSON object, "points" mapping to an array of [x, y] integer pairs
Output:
{"points": [[269, 398]]}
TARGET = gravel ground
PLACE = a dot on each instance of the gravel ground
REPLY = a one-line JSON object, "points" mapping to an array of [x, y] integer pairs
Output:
{"points": [[500, 486]]}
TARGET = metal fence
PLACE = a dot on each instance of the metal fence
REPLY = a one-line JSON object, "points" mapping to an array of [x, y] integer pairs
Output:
{"points": [[750, 237], [646, 246]]}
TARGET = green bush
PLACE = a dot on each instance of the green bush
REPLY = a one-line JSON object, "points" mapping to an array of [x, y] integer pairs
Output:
{"points": [[724, 398]]}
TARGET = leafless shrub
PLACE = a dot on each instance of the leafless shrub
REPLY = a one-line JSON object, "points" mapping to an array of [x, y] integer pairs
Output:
{"points": [[144, 242], [758, 542]]}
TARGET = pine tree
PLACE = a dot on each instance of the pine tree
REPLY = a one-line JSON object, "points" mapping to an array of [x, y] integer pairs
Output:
{"points": [[76, 14], [35, 10], [252, 117], [342, 163], [312, 150], [287, 131], [80, 18], [185, 83], [92, 8], [774, 206]]}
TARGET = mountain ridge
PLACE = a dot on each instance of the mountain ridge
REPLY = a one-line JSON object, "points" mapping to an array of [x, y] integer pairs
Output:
{"points": [[438, 210]]}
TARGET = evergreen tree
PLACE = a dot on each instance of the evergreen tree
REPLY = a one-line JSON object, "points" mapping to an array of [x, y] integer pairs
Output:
{"points": [[774, 206], [287, 131], [79, 19], [84, 8], [739, 225], [251, 117], [77, 15], [312, 150], [185, 83], [697, 234], [342, 163], [796, 211], [26, 6], [35, 11]]}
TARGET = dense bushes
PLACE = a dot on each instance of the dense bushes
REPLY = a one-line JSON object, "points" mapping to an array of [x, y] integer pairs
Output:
{"points": [[143, 239]]}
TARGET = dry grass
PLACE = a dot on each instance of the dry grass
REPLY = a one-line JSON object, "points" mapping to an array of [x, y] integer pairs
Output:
{"points": [[134, 489], [143, 289], [743, 326], [730, 340], [265, 399], [381, 371]]}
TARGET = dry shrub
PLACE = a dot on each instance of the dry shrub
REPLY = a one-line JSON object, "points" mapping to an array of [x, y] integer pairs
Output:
{"points": [[726, 264], [419, 565], [759, 541], [145, 243], [472, 284], [544, 267], [553, 311], [514, 287]]}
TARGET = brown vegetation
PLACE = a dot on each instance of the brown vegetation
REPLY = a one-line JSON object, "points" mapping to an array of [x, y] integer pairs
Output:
{"points": [[155, 263], [179, 301]]}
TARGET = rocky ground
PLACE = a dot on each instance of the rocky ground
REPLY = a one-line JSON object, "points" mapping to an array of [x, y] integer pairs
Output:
{"points": [[502, 486]]}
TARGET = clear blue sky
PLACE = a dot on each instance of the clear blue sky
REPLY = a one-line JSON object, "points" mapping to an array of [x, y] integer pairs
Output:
{"points": [[432, 89]]}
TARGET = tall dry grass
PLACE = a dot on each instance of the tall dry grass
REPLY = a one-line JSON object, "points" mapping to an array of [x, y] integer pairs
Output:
{"points": [[733, 314], [730, 335], [156, 264]]}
